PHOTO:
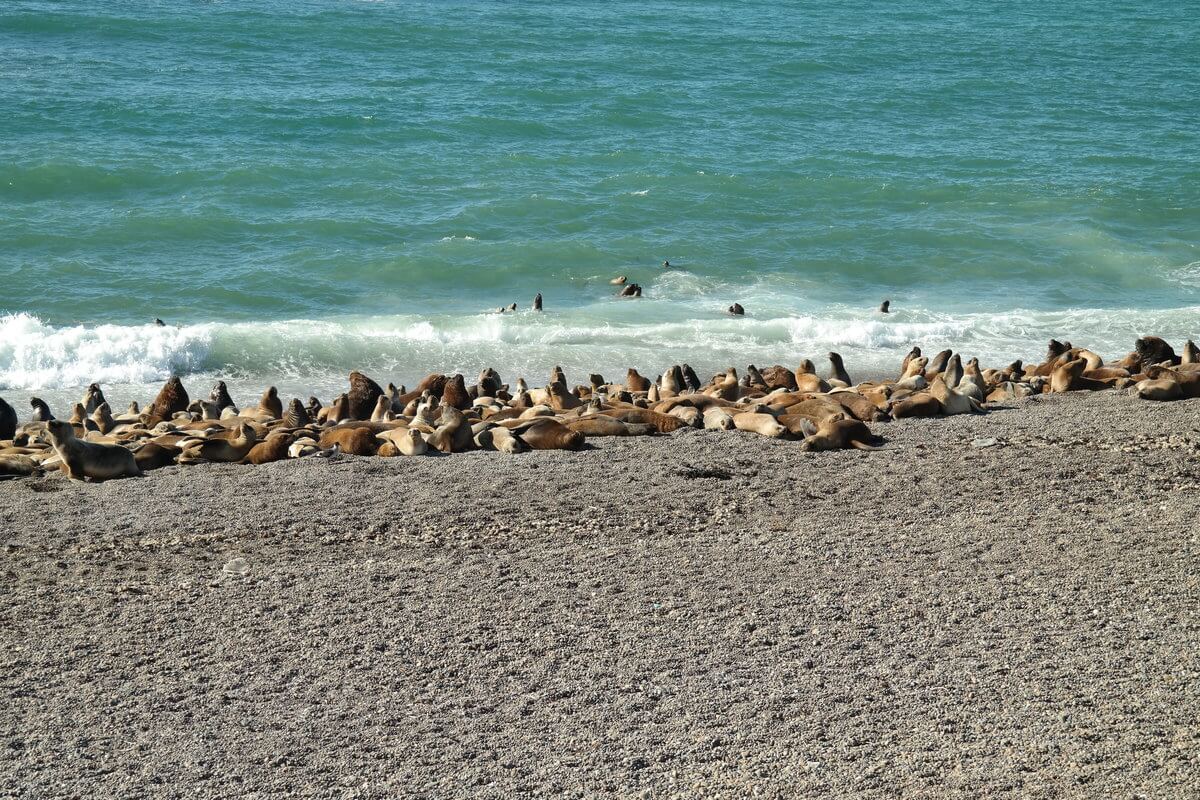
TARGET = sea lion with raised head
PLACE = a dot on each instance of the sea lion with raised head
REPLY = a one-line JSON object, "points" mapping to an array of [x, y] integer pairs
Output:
{"points": [[1069, 378], [171, 399], [737, 310], [8, 420], [838, 371], [953, 401], [220, 449], [220, 396], [274, 448], [938, 364], [537, 302], [92, 398], [41, 411], [885, 307], [407, 441], [455, 394], [102, 418], [82, 460], [363, 395], [383, 409], [296, 415]]}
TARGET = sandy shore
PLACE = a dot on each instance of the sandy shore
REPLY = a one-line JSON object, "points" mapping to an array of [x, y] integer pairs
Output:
{"points": [[713, 615]]}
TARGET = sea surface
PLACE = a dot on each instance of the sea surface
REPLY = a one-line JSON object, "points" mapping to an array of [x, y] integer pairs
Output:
{"points": [[301, 188]]}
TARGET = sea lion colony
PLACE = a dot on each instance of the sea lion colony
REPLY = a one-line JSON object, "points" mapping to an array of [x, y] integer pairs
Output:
{"points": [[443, 414]]}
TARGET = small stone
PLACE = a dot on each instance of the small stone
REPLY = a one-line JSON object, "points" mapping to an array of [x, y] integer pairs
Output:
{"points": [[984, 443], [236, 566]]}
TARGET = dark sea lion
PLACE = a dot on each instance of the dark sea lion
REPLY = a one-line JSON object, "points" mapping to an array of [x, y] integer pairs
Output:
{"points": [[220, 396], [455, 394], [82, 460], [838, 369], [737, 310], [271, 404], [1153, 350], [914, 353], [18, 465], [938, 364], [153, 455], [537, 302], [885, 306], [159, 323], [839, 434], [103, 419], [41, 411], [313, 408], [779, 377], [171, 399], [1191, 355], [754, 378], [630, 290], [858, 406], [92, 398], [8, 420], [363, 395], [598, 425]]}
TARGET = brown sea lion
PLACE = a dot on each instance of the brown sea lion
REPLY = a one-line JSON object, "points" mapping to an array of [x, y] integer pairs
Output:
{"points": [[171, 399], [153, 455], [839, 434], [17, 465], [274, 448], [560, 399], [779, 377], [938, 364], [598, 425], [919, 404], [665, 423], [857, 406], [635, 382], [1159, 389], [914, 353], [219, 448], [1191, 355], [838, 370], [82, 460], [103, 419], [270, 404], [296, 415], [363, 395], [953, 401], [549, 434], [383, 409], [455, 394], [453, 433], [355, 441], [92, 398], [1069, 378]]}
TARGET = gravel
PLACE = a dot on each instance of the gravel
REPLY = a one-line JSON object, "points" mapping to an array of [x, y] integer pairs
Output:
{"points": [[704, 614]]}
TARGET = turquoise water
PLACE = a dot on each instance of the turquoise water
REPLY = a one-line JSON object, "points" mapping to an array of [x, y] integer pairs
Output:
{"points": [[302, 188]]}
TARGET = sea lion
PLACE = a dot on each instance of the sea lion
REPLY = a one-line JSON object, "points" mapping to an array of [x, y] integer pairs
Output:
{"points": [[454, 393], [274, 448], [839, 434], [363, 395], [313, 409], [598, 425], [560, 399], [727, 387], [153, 455], [920, 404], [1069, 378], [537, 302], [1153, 350], [1191, 355], [717, 418], [689, 414], [296, 415], [270, 404], [618, 281], [885, 306], [355, 441], [549, 434], [737, 310], [953, 402], [383, 409], [453, 433], [220, 449], [8, 420], [635, 382], [1159, 389], [904, 365], [838, 371], [103, 419], [631, 290], [41, 411], [82, 460], [78, 416], [502, 440], [779, 377], [207, 409], [171, 399], [953, 371], [159, 323], [857, 406], [407, 441], [691, 381], [17, 465], [220, 396], [92, 398], [763, 424], [938, 364]]}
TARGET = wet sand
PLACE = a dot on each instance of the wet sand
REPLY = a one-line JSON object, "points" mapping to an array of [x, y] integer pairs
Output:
{"points": [[705, 614]]}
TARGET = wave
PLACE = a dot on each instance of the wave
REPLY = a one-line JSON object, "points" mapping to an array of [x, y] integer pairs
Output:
{"points": [[609, 338]]}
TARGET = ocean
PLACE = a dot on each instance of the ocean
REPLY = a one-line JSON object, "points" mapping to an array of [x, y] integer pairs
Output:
{"points": [[299, 189]]}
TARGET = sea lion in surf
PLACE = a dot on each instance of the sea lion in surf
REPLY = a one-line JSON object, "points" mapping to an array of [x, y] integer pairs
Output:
{"points": [[885, 307], [631, 290], [41, 411], [82, 460], [8, 420], [171, 399], [737, 310], [537, 302], [363, 395], [618, 281]]}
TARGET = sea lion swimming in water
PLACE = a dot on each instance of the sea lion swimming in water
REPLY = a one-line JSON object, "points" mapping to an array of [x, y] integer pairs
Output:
{"points": [[737, 310], [885, 307], [83, 460], [537, 302]]}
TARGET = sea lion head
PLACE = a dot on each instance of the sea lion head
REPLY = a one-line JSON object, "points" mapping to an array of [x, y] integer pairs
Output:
{"points": [[59, 432]]}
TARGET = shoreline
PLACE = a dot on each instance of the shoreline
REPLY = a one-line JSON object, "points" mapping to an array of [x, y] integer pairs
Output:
{"points": [[697, 613]]}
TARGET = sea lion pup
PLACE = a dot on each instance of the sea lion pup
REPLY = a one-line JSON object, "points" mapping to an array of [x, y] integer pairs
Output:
{"points": [[953, 401], [274, 448], [763, 424], [171, 399], [92, 398], [41, 411], [913, 376], [1069, 378], [296, 415], [838, 371], [455, 394], [598, 425], [549, 434], [537, 302], [839, 434], [8, 420], [103, 418], [383, 410], [972, 382], [355, 441], [885, 306], [737, 310], [363, 395], [407, 441], [938, 364], [635, 382], [82, 460], [18, 465], [219, 449], [153, 455], [618, 281]]}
